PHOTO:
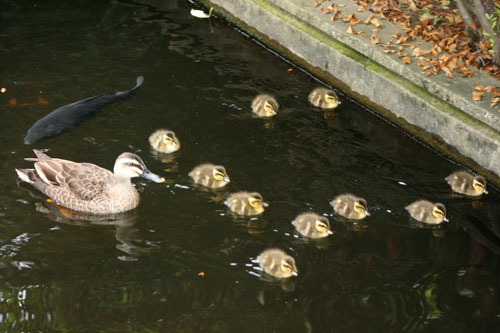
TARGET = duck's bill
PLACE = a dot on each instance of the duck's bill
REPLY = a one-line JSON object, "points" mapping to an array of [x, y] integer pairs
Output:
{"points": [[152, 176], [330, 232], [226, 179], [295, 273], [445, 219], [265, 204]]}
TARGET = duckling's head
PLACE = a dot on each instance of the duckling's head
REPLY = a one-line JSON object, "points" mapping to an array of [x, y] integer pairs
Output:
{"points": [[164, 141], [129, 165], [256, 201], [332, 100], [288, 267], [361, 207], [220, 175], [323, 226], [479, 184], [439, 211], [270, 108]]}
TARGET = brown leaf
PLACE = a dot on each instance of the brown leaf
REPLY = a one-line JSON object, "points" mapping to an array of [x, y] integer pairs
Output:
{"points": [[369, 19], [376, 22], [361, 8], [477, 95], [349, 30], [406, 60]]}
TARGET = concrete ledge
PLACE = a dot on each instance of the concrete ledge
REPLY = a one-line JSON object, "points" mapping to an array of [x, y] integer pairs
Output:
{"points": [[436, 109]]}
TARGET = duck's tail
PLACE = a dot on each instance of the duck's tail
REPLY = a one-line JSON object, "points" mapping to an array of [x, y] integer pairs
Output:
{"points": [[26, 175]]}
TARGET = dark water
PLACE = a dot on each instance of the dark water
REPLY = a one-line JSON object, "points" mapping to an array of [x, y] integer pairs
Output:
{"points": [[142, 272]]}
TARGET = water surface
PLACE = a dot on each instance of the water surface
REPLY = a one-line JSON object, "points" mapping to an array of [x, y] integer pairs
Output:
{"points": [[181, 262]]}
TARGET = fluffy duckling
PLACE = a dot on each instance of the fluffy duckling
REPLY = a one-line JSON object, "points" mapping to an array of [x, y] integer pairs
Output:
{"points": [[312, 225], [277, 263], [466, 183], [324, 98], [427, 212], [246, 203], [209, 175], [164, 141], [350, 206], [265, 106]]}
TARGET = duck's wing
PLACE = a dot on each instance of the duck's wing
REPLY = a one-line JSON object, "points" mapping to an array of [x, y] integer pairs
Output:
{"points": [[85, 180]]}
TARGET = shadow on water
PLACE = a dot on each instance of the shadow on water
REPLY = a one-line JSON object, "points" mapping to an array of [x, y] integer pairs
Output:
{"points": [[181, 261]]}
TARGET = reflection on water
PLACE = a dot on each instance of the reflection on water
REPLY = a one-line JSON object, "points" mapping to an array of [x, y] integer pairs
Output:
{"points": [[181, 261]]}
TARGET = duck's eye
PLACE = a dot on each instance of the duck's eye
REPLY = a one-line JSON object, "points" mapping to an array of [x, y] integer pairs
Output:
{"points": [[330, 98], [359, 207], [219, 175], [256, 202], [478, 184], [438, 212], [287, 267], [268, 107], [321, 226]]}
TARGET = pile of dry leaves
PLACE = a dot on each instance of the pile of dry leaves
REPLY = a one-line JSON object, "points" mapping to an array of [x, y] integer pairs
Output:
{"points": [[438, 22]]}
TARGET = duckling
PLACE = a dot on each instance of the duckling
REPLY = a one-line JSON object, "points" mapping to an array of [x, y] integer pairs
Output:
{"points": [[277, 263], [350, 206], [312, 225], [209, 175], [466, 183], [427, 212], [324, 98], [265, 106], [164, 141], [246, 203]]}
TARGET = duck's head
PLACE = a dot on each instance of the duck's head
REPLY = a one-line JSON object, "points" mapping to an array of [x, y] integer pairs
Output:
{"points": [[479, 184], [322, 225], [164, 141], [169, 140], [288, 267], [332, 100], [129, 165], [361, 207], [220, 175], [439, 211], [256, 201], [271, 108]]}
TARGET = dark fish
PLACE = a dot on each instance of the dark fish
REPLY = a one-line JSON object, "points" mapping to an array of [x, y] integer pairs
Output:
{"points": [[67, 117]]}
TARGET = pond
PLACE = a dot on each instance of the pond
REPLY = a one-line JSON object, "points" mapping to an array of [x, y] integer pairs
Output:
{"points": [[181, 261]]}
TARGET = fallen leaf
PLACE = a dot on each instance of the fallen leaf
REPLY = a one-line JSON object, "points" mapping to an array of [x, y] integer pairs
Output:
{"points": [[42, 101], [13, 101], [376, 22], [201, 274], [361, 8], [374, 39], [479, 88], [200, 13], [369, 19], [477, 95], [289, 69], [349, 30], [406, 60]]}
